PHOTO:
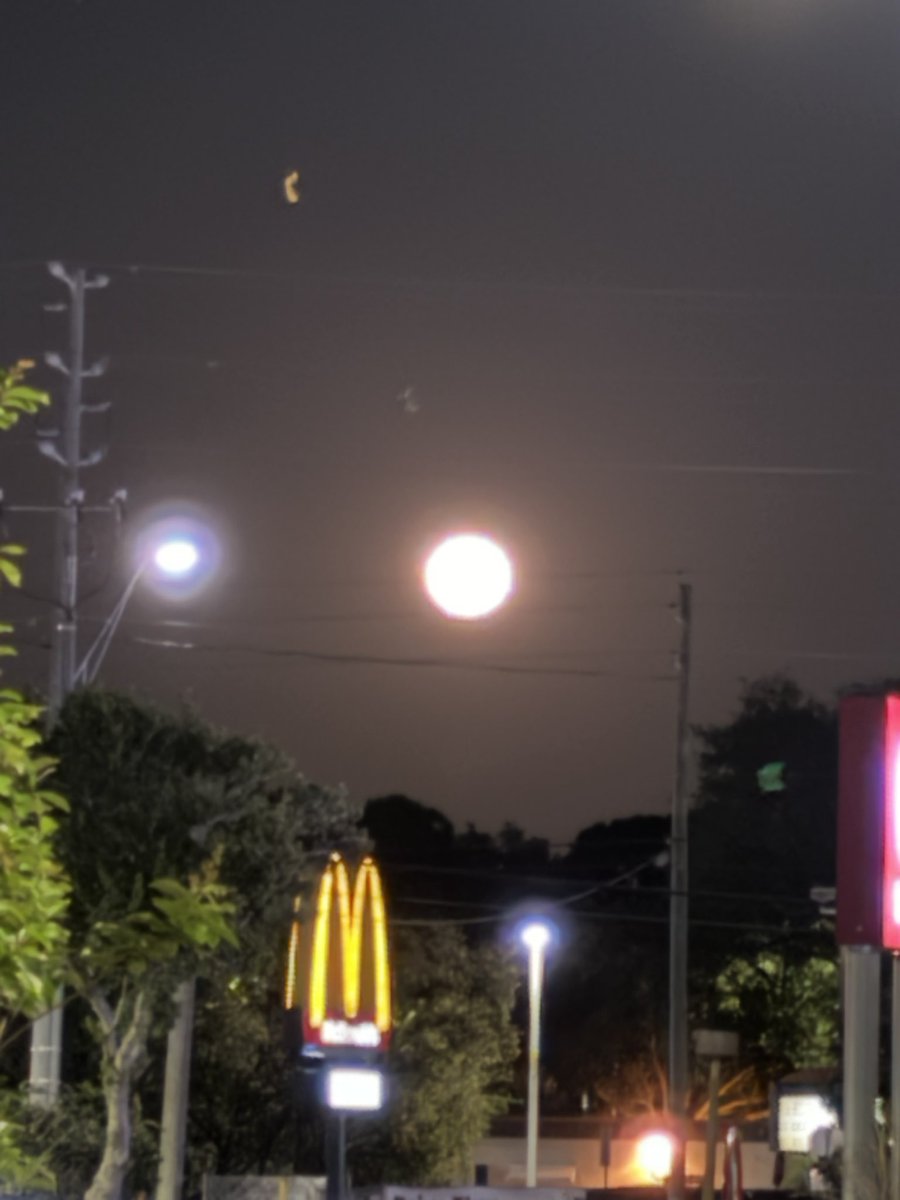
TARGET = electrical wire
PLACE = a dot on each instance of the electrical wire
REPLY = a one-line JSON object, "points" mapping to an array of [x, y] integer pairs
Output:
{"points": [[741, 295], [694, 922], [382, 660]]}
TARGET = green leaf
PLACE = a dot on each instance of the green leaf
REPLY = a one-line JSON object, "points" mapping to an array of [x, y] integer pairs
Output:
{"points": [[11, 572], [770, 778]]}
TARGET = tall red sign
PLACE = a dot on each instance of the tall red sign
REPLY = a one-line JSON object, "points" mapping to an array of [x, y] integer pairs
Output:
{"points": [[868, 875]]}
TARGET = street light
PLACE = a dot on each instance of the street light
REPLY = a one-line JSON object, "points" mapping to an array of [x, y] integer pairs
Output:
{"points": [[536, 935], [176, 554], [175, 560]]}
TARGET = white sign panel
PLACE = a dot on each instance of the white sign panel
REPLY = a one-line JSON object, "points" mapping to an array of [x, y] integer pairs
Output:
{"points": [[799, 1116], [354, 1089]]}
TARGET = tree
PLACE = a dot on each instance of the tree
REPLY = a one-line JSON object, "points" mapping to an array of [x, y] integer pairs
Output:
{"points": [[185, 847], [33, 887], [405, 830], [606, 1006], [450, 1061], [760, 830], [240, 1118], [763, 834], [787, 1010]]}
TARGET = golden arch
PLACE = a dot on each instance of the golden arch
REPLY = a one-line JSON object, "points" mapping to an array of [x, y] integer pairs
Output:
{"points": [[365, 897]]}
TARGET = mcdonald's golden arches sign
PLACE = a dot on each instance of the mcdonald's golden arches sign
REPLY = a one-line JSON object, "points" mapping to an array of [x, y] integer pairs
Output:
{"points": [[338, 966]]}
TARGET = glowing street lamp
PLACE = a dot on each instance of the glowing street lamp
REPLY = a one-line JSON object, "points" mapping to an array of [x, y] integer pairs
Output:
{"points": [[175, 558], [174, 554], [536, 935], [468, 576]]}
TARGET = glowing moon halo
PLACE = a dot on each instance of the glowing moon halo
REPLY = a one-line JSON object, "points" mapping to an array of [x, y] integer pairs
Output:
{"points": [[468, 576]]}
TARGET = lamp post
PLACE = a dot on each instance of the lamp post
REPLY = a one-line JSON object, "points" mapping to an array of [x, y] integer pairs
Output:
{"points": [[174, 557], [536, 936]]}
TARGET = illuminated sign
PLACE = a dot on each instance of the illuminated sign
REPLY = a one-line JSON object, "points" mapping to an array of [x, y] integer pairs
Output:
{"points": [[800, 1114], [354, 1089], [338, 966], [890, 915], [868, 892]]}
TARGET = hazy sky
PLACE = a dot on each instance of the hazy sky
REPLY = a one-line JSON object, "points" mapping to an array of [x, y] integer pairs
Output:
{"points": [[637, 259]]}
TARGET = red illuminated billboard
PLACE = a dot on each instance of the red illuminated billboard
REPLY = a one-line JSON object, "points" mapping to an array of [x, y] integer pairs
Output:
{"points": [[868, 882]]}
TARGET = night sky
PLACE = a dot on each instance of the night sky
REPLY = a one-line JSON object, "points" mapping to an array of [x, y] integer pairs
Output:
{"points": [[638, 261]]}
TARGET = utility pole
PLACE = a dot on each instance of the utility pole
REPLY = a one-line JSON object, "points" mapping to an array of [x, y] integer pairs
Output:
{"points": [[862, 995], [678, 906], [63, 445], [175, 1094]]}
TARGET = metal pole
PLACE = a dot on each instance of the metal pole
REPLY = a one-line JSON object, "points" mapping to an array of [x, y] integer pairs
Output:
{"points": [[535, 984], [332, 1157], [895, 1077], [678, 907], [62, 650], [861, 994], [175, 1094], [46, 1032], [712, 1130], [342, 1155]]}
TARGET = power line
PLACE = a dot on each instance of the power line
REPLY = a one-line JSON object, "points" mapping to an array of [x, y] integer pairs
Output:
{"points": [[137, 270], [634, 918], [358, 659]]}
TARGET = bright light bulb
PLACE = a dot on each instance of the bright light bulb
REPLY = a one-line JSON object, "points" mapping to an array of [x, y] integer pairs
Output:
{"points": [[176, 557], [468, 576], [536, 935], [655, 1153]]}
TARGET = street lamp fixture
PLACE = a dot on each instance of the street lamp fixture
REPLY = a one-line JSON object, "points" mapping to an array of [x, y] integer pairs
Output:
{"points": [[176, 556], [536, 934], [174, 562], [172, 553]]}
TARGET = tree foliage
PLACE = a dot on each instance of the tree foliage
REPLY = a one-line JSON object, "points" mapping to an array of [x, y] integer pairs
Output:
{"points": [[240, 1119], [745, 837], [762, 836], [33, 888], [606, 1010], [185, 847], [787, 1010], [450, 1062]]}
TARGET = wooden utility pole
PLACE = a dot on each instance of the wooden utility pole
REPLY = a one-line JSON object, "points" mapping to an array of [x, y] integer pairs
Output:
{"points": [[678, 903]]}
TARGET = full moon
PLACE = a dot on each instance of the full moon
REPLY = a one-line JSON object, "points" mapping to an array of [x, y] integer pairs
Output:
{"points": [[468, 576]]}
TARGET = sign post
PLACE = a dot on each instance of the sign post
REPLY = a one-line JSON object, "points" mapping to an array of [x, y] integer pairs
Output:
{"points": [[339, 1001], [868, 910]]}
